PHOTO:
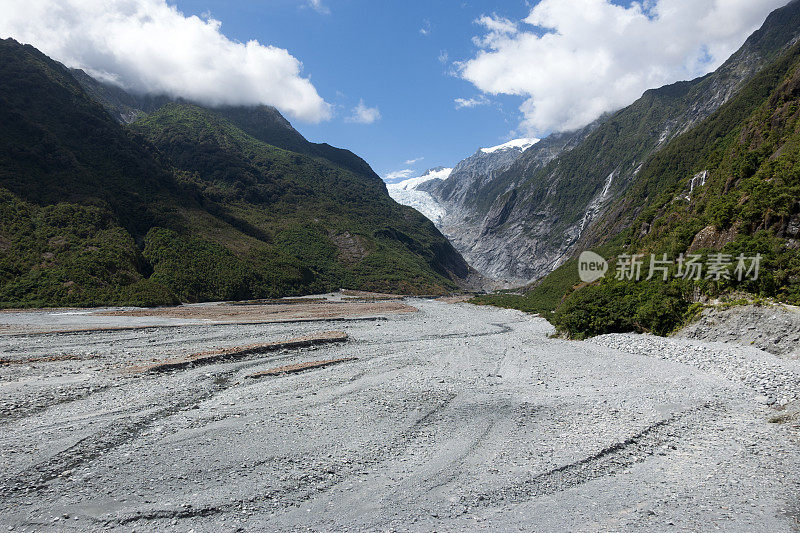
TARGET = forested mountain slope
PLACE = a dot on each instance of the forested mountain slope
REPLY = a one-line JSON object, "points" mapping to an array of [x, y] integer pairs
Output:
{"points": [[187, 204]]}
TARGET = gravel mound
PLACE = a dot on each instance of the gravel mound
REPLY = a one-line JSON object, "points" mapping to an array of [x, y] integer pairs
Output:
{"points": [[775, 380], [774, 329]]}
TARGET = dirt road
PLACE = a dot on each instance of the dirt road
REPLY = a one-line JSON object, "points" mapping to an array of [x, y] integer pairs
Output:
{"points": [[452, 418]]}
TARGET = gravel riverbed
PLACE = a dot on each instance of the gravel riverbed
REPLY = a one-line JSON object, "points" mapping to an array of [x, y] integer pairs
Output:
{"points": [[451, 418]]}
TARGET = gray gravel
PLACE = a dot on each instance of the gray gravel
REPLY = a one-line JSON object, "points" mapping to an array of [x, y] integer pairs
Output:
{"points": [[772, 328], [454, 418], [777, 381]]}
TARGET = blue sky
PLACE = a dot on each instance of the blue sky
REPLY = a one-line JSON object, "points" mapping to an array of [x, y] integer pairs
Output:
{"points": [[374, 50]]}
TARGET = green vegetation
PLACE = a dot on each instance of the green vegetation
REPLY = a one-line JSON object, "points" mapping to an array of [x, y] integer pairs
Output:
{"points": [[320, 224], [618, 306], [184, 205], [70, 254]]}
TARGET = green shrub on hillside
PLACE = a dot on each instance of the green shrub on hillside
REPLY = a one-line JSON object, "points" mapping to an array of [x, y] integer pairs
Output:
{"points": [[620, 306], [197, 270], [69, 255]]}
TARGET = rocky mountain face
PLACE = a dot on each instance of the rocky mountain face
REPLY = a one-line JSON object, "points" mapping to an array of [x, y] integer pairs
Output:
{"points": [[459, 197], [476, 171], [110, 198], [733, 176], [526, 219]]}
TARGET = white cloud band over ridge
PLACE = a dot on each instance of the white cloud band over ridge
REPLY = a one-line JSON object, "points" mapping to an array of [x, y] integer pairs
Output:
{"points": [[573, 61], [148, 46]]}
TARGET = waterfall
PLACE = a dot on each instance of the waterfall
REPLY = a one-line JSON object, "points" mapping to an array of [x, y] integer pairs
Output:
{"points": [[693, 182], [594, 206]]}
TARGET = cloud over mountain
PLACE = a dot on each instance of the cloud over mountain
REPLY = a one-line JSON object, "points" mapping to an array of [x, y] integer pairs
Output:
{"points": [[573, 61], [148, 46]]}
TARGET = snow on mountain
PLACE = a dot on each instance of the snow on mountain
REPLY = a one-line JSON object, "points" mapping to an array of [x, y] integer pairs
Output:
{"points": [[405, 192], [519, 144], [438, 173]]}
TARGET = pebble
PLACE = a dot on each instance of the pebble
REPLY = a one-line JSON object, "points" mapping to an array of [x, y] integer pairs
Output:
{"points": [[774, 380]]}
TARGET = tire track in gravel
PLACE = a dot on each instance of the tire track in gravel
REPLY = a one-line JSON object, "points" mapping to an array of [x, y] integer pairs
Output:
{"points": [[608, 461], [36, 477], [502, 330], [311, 485], [425, 429], [458, 460], [498, 412], [77, 394], [403, 440], [168, 514]]}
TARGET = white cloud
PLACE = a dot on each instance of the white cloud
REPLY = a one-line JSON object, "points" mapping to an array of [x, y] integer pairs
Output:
{"points": [[413, 161], [398, 175], [496, 26], [362, 114], [319, 7], [426, 27], [573, 61], [148, 46], [466, 103]]}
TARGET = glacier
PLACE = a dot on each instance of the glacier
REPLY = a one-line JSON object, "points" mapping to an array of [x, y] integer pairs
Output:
{"points": [[405, 192]]}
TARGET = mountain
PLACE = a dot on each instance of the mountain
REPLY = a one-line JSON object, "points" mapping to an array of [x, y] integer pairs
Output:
{"points": [[124, 107], [468, 195], [263, 122], [187, 203], [437, 192], [477, 170], [457, 195], [529, 218], [729, 185]]}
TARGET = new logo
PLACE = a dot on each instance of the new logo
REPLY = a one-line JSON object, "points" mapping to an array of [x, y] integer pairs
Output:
{"points": [[591, 267]]}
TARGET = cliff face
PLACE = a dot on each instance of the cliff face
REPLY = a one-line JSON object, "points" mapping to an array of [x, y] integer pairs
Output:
{"points": [[462, 196], [520, 222]]}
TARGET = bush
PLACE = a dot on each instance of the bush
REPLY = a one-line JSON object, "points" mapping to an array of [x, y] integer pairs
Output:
{"points": [[621, 306]]}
